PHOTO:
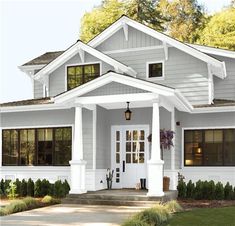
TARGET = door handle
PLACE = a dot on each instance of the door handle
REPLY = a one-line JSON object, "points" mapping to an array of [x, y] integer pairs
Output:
{"points": [[123, 166]]}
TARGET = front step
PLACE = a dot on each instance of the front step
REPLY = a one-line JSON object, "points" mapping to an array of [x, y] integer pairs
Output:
{"points": [[117, 198]]}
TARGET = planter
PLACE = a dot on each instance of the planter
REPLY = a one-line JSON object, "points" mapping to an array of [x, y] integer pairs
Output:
{"points": [[166, 183], [109, 184]]}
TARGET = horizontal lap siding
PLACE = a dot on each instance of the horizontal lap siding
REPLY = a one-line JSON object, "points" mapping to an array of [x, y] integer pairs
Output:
{"points": [[182, 71], [225, 88], [135, 39], [38, 89], [58, 82]]}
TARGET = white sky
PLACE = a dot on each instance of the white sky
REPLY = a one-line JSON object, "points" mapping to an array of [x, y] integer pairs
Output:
{"points": [[28, 28]]}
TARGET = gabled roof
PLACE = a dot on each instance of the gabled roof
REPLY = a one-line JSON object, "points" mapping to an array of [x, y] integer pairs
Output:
{"points": [[218, 66], [79, 48]]}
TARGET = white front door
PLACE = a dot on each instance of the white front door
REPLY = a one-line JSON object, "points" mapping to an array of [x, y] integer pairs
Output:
{"points": [[129, 155]]}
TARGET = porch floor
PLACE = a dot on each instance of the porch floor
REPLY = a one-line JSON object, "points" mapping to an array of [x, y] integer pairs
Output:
{"points": [[125, 197]]}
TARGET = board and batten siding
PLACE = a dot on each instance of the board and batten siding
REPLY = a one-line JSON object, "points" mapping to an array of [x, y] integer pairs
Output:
{"points": [[225, 88], [37, 89], [181, 71], [57, 79], [136, 39]]}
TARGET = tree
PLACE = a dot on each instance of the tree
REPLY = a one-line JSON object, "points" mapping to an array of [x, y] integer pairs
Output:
{"points": [[185, 19], [220, 30], [144, 11]]}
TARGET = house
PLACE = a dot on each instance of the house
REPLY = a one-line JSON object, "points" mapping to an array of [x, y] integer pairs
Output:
{"points": [[75, 127]]}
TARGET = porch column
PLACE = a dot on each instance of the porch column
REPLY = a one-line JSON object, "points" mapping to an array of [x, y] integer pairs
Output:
{"points": [[155, 164], [77, 164]]}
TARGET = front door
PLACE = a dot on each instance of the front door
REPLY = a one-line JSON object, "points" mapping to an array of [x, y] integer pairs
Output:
{"points": [[129, 155]]}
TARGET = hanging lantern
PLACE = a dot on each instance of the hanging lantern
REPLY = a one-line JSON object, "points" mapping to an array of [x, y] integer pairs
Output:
{"points": [[128, 112]]}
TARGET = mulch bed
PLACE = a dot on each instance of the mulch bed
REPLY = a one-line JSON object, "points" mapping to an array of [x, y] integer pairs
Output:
{"points": [[188, 204]]}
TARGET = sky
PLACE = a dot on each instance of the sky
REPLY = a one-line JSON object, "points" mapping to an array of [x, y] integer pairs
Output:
{"points": [[28, 28]]}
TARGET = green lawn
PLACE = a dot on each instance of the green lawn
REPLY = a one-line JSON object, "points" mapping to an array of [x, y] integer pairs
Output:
{"points": [[205, 217]]}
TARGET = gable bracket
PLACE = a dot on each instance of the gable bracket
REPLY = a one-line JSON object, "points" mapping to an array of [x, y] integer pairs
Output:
{"points": [[81, 54], [165, 50], [125, 29]]}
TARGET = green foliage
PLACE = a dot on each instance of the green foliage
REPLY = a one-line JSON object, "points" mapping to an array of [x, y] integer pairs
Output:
{"points": [[15, 206], [59, 190], [134, 222], [18, 186], [6, 186], [11, 191], [190, 190], [109, 11], [30, 188], [37, 188], [219, 191], [181, 187], [66, 187], [31, 203], [23, 188], [199, 190], [2, 187], [228, 191], [173, 206], [45, 187], [220, 30], [49, 200]]}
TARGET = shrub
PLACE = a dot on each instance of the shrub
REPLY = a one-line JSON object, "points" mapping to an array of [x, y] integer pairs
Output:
{"points": [[198, 190], [51, 191], [37, 188], [205, 190], [182, 189], [173, 206], [134, 222], [18, 186], [45, 187], [6, 186], [23, 188], [59, 189], [2, 186], [30, 188], [219, 191], [228, 191], [11, 191], [66, 187], [15, 206], [2, 211], [31, 202], [211, 190], [49, 200], [190, 189]]}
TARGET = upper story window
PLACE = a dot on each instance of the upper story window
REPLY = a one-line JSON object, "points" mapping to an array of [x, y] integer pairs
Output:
{"points": [[80, 74], [209, 147], [155, 70]]}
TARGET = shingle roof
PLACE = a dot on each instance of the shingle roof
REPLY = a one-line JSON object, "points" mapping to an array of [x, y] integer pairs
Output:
{"points": [[217, 103], [44, 58], [46, 100]]}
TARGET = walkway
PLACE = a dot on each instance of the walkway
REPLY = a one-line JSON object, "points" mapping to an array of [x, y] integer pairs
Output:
{"points": [[64, 215]]}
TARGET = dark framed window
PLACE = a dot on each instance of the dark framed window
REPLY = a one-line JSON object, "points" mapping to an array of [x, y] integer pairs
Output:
{"points": [[39, 146], [155, 70], [209, 147], [80, 74]]}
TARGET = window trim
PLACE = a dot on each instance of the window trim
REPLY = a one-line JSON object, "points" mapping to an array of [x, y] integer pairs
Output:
{"points": [[163, 70], [183, 166], [34, 127], [79, 64]]}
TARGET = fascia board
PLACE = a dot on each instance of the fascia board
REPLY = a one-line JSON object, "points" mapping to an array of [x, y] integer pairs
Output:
{"points": [[213, 109]]}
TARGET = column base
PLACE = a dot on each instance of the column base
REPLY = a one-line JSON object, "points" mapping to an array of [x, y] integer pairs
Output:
{"points": [[77, 191], [155, 178]]}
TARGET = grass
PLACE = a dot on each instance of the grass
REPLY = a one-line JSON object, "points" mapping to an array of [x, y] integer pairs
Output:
{"points": [[205, 217]]}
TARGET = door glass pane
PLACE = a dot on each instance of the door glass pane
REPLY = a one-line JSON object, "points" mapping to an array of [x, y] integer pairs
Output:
{"points": [[141, 137], [128, 146], [135, 135], [135, 158], [141, 158], [141, 146], [128, 135], [117, 147], [117, 135], [128, 158], [117, 158]]}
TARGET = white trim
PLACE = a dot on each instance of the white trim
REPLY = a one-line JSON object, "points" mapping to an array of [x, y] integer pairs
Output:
{"points": [[27, 68], [37, 126], [213, 109], [79, 64], [160, 36], [215, 51], [199, 128], [134, 49], [210, 85], [155, 78], [94, 133]]}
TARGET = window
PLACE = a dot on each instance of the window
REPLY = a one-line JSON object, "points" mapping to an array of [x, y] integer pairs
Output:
{"points": [[44, 146], [213, 147], [155, 70], [78, 75]]}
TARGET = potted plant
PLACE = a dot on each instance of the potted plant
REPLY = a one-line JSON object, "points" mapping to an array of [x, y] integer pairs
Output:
{"points": [[109, 178], [166, 142]]}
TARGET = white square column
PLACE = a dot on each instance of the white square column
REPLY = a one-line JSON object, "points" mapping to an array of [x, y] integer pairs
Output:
{"points": [[155, 164], [77, 164]]}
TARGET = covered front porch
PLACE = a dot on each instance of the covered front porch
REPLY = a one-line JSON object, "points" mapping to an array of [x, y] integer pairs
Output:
{"points": [[103, 138]]}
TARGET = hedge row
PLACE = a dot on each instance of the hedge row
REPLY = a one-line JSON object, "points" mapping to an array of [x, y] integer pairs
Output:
{"points": [[205, 190], [38, 188]]}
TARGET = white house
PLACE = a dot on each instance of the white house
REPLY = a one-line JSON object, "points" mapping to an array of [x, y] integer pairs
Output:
{"points": [[75, 127]]}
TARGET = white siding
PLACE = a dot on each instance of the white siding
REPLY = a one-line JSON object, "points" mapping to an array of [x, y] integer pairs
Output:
{"points": [[37, 89]]}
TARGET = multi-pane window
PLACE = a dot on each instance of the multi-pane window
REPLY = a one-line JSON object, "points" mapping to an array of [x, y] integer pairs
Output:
{"points": [[80, 74], [155, 70], [44, 146], [212, 147]]}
